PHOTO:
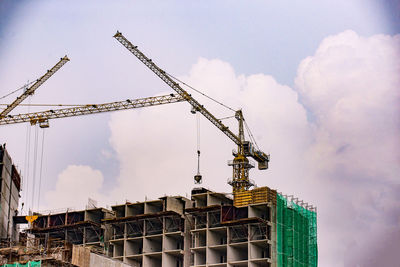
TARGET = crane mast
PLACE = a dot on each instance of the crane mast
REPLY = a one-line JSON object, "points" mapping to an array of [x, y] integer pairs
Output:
{"points": [[241, 165], [31, 89]]}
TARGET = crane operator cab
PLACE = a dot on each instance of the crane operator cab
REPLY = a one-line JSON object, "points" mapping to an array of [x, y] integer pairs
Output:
{"points": [[261, 158]]}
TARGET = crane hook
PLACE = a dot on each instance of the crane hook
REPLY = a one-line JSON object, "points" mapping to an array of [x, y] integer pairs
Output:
{"points": [[198, 177]]}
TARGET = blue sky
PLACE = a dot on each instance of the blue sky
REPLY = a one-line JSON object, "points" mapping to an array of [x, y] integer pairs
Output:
{"points": [[284, 62], [261, 37]]}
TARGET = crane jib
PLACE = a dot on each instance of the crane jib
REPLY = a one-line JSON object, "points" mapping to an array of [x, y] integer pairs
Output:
{"points": [[36, 85], [43, 116], [176, 87]]}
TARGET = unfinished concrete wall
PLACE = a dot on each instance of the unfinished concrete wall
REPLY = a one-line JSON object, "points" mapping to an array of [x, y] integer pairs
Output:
{"points": [[150, 233], [10, 186], [83, 257], [223, 235]]}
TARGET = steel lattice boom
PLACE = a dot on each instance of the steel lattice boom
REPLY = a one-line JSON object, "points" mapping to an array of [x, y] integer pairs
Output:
{"points": [[176, 87], [31, 90], [43, 116]]}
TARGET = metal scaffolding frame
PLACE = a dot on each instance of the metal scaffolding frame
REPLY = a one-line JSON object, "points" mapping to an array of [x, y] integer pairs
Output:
{"points": [[173, 223], [259, 231], [239, 233], [134, 229], [200, 220], [118, 230], [78, 233], [214, 218], [153, 226]]}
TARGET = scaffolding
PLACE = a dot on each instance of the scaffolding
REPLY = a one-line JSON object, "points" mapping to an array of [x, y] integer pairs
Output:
{"points": [[86, 232], [32, 251], [296, 233]]}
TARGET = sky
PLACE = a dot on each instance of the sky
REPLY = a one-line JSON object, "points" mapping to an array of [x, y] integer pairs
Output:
{"points": [[317, 82]]}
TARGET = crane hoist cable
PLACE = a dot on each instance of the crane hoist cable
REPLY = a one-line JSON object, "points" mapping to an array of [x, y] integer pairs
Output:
{"points": [[229, 117], [250, 134], [198, 177], [35, 154], [22, 87], [31, 89], [38, 152], [198, 91], [40, 171], [218, 102], [27, 159]]}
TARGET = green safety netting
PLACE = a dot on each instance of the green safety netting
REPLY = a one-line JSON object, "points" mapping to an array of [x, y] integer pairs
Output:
{"points": [[296, 235], [28, 264]]}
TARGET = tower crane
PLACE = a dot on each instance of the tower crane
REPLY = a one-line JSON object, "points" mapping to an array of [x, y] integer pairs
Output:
{"points": [[241, 165], [33, 87]]}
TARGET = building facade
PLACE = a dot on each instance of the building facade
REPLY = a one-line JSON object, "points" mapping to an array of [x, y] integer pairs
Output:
{"points": [[264, 228], [10, 187]]}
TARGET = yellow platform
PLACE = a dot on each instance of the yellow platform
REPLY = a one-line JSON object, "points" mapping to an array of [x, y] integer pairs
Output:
{"points": [[257, 195]]}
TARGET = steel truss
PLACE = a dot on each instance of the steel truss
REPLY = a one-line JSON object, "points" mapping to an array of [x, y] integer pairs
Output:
{"points": [[239, 233], [44, 116]]}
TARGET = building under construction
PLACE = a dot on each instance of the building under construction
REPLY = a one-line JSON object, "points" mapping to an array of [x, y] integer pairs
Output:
{"points": [[264, 228], [253, 226]]}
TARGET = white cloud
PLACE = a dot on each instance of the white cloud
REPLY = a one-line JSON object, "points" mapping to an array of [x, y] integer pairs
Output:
{"points": [[345, 159], [351, 87], [74, 186]]}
